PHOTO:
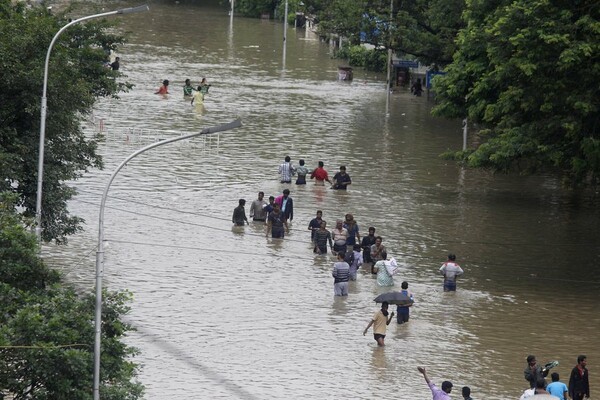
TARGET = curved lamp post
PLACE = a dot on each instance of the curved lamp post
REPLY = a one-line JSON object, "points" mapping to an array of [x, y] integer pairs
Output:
{"points": [[38, 203], [100, 252]]}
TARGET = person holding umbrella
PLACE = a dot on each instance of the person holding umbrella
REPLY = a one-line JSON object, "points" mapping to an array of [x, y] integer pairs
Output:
{"points": [[380, 321]]}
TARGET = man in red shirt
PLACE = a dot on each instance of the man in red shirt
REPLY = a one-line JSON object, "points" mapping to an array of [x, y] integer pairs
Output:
{"points": [[164, 88], [320, 175]]}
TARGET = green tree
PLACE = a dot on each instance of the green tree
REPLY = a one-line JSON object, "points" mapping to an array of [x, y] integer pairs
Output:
{"points": [[527, 72], [47, 331], [427, 29], [344, 18], [424, 29], [255, 8], [77, 78]]}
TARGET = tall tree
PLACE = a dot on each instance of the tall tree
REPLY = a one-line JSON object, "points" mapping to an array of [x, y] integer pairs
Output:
{"points": [[77, 78], [527, 72], [345, 18], [254, 8], [425, 29], [47, 331]]}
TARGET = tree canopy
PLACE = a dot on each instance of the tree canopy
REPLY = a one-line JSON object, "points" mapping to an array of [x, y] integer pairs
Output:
{"points": [[47, 330], [77, 77], [423, 29], [527, 72]]}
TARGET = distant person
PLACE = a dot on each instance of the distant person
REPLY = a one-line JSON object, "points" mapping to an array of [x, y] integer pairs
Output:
{"points": [[286, 203], [438, 394], [321, 237], [357, 261], [257, 208], [527, 393], [276, 223], [164, 89], [269, 207], [198, 98], [451, 270], [341, 180], [386, 271], [301, 171], [352, 228], [286, 170], [188, 89], [378, 252], [340, 236], [466, 393], [203, 87], [557, 388], [380, 321], [341, 276], [366, 243], [579, 383], [403, 312], [320, 175], [417, 88], [239, 214], [540, 388], [532, 372], [315, 224], [115, 64]]}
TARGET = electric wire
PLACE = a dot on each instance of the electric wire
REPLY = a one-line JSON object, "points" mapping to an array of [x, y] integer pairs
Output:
{"points": [[423, 259], [405, 255]]}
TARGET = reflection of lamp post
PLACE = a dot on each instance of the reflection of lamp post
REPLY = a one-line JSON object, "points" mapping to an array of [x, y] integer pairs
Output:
{"points": [[38, 203], [100, 252]]}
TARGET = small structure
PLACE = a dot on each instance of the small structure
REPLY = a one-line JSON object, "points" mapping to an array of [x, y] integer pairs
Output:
{"points": [[300, 20], [401, 71], [345, 73]]}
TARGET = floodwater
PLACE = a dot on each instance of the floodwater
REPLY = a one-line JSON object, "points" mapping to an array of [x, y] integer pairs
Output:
{"points": [[225, 313]]}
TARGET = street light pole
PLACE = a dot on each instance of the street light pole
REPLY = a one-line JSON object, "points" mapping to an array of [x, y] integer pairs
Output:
{"points": [[100, 251], [285, 14], [38, 203], [389, 62]]}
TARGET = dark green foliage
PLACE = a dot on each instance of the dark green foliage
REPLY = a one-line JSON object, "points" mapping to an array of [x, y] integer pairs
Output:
{"points": [[76, 78], [359, 56], [425, 29], [47, 331], [342, 17], [527, 73], [255, 8]]}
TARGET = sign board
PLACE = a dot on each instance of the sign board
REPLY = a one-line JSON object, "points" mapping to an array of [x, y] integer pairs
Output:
{"points": [[429, 76], [405, 64]]}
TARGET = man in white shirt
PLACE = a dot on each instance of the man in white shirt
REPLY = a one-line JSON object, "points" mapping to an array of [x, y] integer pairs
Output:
{"points": [[286, 170], [451, 270], [257, 211]]}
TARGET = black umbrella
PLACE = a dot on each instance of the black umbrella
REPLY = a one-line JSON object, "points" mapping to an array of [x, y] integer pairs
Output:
{"points": [[397, 298]]}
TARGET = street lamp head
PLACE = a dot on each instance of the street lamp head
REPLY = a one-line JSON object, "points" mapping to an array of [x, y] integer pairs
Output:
{"points": [[132, 10]]}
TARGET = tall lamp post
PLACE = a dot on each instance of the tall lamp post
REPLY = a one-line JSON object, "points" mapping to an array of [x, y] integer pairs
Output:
{"points": [[100, 252], [38, 203], [285, 15], [389, 62]]}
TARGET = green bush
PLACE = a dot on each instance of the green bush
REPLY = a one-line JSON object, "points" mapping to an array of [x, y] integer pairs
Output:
{"points": [[359, 56]]}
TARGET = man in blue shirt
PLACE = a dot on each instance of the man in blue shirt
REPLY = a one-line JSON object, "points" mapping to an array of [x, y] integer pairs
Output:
{"points": [[557, 388], [341, 180]]}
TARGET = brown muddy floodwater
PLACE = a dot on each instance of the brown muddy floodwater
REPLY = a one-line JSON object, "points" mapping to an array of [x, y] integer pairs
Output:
{"points": [[224, 313]]}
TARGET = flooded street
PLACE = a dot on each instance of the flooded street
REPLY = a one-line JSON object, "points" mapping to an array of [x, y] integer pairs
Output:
{"points": [[224, 313]]}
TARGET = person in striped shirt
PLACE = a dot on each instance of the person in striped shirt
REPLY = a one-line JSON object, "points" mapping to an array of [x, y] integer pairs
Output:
{"points": [[286, 170], [341, 275]]}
